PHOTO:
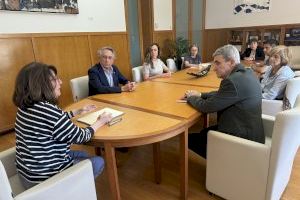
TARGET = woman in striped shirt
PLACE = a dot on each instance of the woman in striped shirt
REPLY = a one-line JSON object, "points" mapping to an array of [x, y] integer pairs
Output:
{"points": [[44, 133]]}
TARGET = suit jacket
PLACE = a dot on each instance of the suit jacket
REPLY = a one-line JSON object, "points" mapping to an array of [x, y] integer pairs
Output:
{"points": [[98, 83], [259, 54], [238, 103]]}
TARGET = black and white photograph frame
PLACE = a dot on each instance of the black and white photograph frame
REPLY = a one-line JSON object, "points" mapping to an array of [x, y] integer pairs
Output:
{"points": [[250, 6], [52, 6]]}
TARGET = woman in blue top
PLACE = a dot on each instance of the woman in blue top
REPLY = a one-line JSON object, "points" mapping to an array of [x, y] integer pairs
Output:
{"points": [[277, 73]]}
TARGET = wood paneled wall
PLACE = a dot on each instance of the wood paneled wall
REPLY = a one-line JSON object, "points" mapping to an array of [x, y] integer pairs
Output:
{"points": [[72, 53], [160, 37], [15, 53], [213, 39]]}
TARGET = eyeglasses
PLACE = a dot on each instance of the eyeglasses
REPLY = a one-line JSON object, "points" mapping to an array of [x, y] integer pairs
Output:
{"points": [[107, 57], [55, 78]]}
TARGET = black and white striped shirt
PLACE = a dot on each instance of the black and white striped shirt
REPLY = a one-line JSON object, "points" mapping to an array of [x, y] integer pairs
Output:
{"points": [[44, 134]]}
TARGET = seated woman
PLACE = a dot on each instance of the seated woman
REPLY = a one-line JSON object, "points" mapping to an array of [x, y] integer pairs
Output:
{"points": [[193, 59], [277, 74], [153, 66], [254, 52], [44, 133]]}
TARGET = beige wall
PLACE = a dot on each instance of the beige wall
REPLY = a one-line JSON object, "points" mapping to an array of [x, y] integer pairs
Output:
{"points": [[162, 14], [219, 14], [94, 16]]}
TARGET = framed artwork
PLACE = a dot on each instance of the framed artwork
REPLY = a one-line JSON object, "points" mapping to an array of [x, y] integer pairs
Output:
{"points": [[52, 6], [250, 6]]}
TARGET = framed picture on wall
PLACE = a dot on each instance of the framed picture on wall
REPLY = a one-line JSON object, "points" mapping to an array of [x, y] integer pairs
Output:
{"points": [[52, 6], [250, 6], [295, 32]]}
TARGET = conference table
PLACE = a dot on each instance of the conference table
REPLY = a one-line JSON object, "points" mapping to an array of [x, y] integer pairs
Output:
{"points": [[181, 77], [152, 115]]}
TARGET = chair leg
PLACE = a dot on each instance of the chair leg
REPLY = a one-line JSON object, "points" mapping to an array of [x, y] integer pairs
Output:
{"points": [[211, 194], [98, 151]]}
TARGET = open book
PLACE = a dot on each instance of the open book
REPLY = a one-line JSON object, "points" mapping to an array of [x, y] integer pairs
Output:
{"points": [[91, 118]]}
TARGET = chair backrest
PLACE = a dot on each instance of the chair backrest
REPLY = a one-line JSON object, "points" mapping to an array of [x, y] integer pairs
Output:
{"points": [[5, 189], [292, 90], [80, 87], [7, 170], [285, 143], [182, 63], [171, 65], [137, 75], [295, 61]]}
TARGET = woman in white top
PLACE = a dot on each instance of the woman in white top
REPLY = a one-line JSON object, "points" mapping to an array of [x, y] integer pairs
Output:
{"points": [[153, 66]]}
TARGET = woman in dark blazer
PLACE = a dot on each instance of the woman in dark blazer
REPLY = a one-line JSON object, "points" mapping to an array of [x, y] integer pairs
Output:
{"points": [[254, 52]]}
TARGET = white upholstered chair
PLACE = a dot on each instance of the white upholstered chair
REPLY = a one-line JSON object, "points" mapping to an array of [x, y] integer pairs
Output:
{"points": [[76, 182], [80, 87], [242, 169], [182, 63], [171, 65], [272, 107], [137, 75], [295, 61]]}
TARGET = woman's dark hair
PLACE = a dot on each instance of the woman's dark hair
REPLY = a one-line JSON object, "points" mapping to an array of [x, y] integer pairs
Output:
{"points": [[148, 58], [33, 85]]}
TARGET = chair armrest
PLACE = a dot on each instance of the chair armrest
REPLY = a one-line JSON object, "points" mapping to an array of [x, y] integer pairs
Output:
{"points": [[5, 189], [76, 183], [234, 165], [271, 107], [8, 158], [268, 124]]}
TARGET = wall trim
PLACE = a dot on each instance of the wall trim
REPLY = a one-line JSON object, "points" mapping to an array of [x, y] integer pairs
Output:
{"points": [[163, 31], [258, 27], [66, 34]]}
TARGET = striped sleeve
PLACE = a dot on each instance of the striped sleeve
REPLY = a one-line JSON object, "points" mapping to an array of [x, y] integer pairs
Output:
{"points": [[66, 131]]}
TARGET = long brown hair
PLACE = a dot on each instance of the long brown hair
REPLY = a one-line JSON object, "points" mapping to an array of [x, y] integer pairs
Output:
{"points": [[148, 58], [33, 85]]}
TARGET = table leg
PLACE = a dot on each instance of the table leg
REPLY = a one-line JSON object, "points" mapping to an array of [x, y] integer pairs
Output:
{"points": [[184, 164], [98, 151], [205, 120], [157, 164], [112, 172]]}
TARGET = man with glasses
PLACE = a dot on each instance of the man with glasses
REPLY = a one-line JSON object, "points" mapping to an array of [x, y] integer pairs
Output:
{"points": [[104, 77]]}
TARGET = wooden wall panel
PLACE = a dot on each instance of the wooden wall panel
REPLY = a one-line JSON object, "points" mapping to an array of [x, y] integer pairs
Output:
{"points": [[160, 37], [71, 56], [14, 54], [213, 39], [119, 43], [72, 53]]}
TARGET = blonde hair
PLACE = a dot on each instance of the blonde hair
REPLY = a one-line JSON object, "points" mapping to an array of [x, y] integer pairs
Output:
{"points": [[284, 52]]}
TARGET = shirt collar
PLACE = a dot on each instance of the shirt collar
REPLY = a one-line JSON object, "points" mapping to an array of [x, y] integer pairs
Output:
{"points": [[109, 70]]}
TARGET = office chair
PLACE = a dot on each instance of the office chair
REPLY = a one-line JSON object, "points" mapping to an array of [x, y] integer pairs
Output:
{"points": [[272, 107], [80, 87], [137, 75], [76, 182], [242, 169]]}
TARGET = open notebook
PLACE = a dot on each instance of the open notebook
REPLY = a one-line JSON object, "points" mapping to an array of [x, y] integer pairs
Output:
{"points": [[91, 118]]}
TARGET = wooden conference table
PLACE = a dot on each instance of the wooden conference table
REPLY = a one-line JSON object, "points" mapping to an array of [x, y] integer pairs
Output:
{"points": [[181, 77], [151, 116]]}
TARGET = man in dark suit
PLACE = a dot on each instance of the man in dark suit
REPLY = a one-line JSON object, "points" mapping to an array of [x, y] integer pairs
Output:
{"points": [[254, 52], [238, 101], [104, 77]]}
